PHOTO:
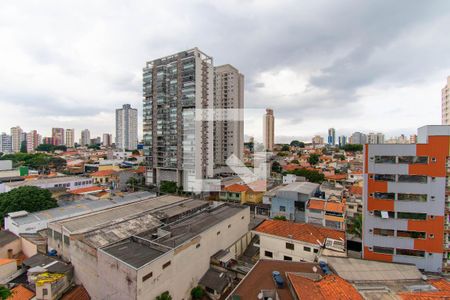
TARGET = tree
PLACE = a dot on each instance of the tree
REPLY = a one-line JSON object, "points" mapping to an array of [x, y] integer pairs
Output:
{"points": [[353, 147], [29, 198], [94, 146], [298, 144], [313, 159], [312, 176], [132, 182], [282, 154], [164, 296], [295, 161], [197, 293], [280, 218], [135, 152], [285, 147], [168, 187], [5, 293], [356, 226], [276, 167], [23, 147]]}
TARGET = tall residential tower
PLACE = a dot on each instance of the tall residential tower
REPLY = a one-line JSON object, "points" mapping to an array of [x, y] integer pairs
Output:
{"points": [[269, 129], [446, 103], [126, 128], [70, 138]]}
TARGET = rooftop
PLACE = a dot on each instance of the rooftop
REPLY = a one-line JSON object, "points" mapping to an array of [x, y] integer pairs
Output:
{"points": [[299, 231], [87, 190], [260, 278], [7, 237], [20, 292], [48, 180], [300, 187]]}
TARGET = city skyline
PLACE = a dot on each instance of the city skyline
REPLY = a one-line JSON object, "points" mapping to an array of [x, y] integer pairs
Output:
{"points": [[316, 83]]}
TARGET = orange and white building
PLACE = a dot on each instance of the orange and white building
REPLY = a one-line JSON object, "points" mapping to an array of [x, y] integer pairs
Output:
{"points": [[406, 205]]}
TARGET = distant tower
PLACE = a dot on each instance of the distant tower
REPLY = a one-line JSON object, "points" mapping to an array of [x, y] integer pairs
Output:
{"points": [[85, 137], [269, 130], [70, 138], [331, 136], [16, 138], [107, 139], [446, 103], [126, 128], [58, 136]]}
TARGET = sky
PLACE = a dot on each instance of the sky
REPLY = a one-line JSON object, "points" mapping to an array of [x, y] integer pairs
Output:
{"points": [[354, 65]]}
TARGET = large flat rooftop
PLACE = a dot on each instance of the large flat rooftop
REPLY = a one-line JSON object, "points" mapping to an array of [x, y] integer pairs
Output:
{"points": [[50, 180], [116, 214], [299, 187]]}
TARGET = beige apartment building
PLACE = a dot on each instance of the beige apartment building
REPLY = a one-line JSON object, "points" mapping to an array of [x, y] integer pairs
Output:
{"points": [[16, 138], [445, 103], [228, 95], [70, 138], [269, 129]]}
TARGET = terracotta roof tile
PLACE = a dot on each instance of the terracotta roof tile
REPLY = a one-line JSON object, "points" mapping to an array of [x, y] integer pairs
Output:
{"points": [[299, 231], [77, 293], [21, 293], [88, 189], [4, 261], [338, 207], [236, 188], [356, 190], [103, 173], [316, 204]]}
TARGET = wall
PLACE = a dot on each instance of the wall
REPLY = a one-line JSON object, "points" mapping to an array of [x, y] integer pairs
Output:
{"points": [[15, 245], [8, 269], [277, 245], [28, 248]]}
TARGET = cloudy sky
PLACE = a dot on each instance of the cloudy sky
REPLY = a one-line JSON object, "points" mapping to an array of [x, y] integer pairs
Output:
{"points": [[349, 64]]}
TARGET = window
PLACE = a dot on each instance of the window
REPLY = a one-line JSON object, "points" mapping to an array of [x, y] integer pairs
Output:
{"points": [[307, 249], [384, 177], [166, 265], [383, 250], [57, 236], [412, 178], [287, 258], [66, 240], [410, 252], [412, 216], [268, 254], [377, 213], [412, 159], [300, 206], [282, 208], [412, 197], [383, 232], [44, 292], [384, 196], [290, 246], [229, 225], [148, 276], [316, 250], [49, 232], [385, 159], [197, 246], [218, 232], [411, 234]]}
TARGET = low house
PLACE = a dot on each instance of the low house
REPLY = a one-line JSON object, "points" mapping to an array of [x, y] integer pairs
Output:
{"points": [[104, 177], [290, 241], [326, 213], [290, 200], [215, 283], [240, 193]]}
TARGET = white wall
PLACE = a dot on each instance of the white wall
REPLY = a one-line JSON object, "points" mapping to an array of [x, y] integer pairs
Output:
{"points": [[277, 245]]}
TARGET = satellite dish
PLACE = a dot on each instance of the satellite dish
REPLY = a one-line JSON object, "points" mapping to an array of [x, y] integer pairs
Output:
{"points": [[260, 296]]}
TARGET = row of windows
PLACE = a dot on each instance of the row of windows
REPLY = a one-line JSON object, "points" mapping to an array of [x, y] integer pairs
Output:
{"points": [[291, 246], [399, 196], [398, 251], [79, 183], [390, 159], [400, 178], [400, 215], [400, 233]]}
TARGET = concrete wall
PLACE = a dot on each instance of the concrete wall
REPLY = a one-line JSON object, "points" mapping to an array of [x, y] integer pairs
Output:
{"points": [[15, 245], [277, 245], [28, 248], [8, 269]]}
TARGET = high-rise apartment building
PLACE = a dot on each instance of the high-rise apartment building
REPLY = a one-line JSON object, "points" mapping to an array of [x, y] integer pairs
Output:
{"points": [[70, 138], [331, 136], [375, 138], [269, 129], [406, 216], [178, 147], [358, 138], [85, 137], [16, 138], [413, 139], [446, 103], [228, 95], [342, 141], [33, 140], [126, 128], [317, 140], [5, 143], [58, 136], [107, 139]]}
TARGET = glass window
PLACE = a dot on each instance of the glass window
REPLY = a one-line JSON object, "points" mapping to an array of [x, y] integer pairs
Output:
{"points": [[410, 252], [166, 265], [384, 196], [411, 234], [149, 275], [316, 250], [290, 246], [412, 178], [282, 208], [383, 232], [412, 197], [412, 216], [377, 213], [384, 250], [385, 159], [413, 159], [307, 249], [268, 254], [384, 177], [287, 258]]}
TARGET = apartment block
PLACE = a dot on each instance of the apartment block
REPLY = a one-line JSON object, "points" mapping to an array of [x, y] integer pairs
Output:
{"points": [[107, 140], [228, 94], [446, 103], [406, 210], [58, 136], [16, 138], [126, 128], [331, 136], [33, 140], [5, 143], [70, 138], [269, 130], [178, 147], [85, 137]]}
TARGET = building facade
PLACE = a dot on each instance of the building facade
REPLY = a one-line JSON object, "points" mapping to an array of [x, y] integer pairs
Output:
{"points": [[342, 141], [229, 94], [70, 138], [58, 136], [107, 139], [178, 147], [358, 138], [85, 137], [331, 136], [33, 140], [126, 128], [405, 198], [16, 138], [446, 103], [5, 143], [269, 129]]}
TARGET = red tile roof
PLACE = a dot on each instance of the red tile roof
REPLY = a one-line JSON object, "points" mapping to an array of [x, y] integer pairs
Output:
{"points": [[337, 177], [338, 207], [85, 190], [329, 287], [103, 173], [316, 204], [299, 231], [291, 167], [356, 190], [77, 293], [4, 261], [139, 170], [236, 188], [21, 293]]}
